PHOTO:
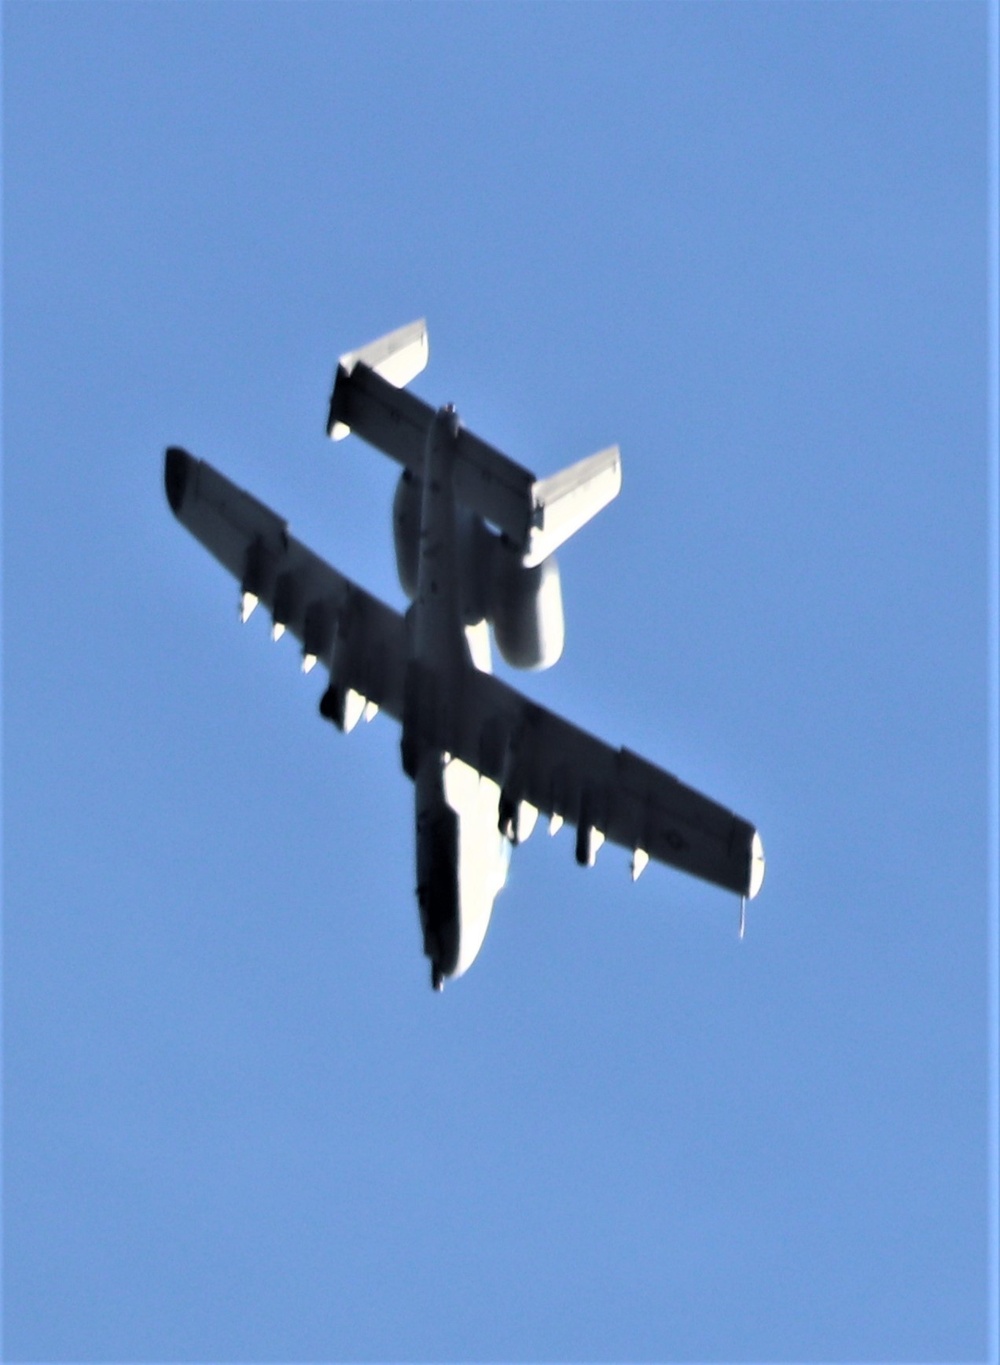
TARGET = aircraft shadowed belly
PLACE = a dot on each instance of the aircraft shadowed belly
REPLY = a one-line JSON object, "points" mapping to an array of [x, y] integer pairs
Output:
{"points": [[475, 536]]}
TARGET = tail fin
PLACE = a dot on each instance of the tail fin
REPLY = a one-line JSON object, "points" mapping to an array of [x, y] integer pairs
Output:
{"points": [[398, 357], [566, 501]]}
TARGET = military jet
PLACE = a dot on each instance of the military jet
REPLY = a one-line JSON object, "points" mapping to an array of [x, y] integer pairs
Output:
{"points": [[475, 539]]}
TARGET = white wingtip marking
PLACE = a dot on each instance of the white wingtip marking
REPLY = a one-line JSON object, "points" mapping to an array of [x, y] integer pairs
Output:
{"points": [[757, 865]]}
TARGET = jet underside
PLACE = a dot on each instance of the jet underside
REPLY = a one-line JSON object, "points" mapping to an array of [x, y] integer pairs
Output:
{"points": [[475, 538]]}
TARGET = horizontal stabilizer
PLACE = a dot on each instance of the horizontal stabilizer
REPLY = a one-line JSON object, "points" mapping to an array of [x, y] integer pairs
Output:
{"points": [[397, 422], [536, 515], [398, 357], [567, 500]]}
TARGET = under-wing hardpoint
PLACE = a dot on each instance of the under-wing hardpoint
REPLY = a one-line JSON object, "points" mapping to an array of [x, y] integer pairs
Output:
{"points": [[475, 538]]}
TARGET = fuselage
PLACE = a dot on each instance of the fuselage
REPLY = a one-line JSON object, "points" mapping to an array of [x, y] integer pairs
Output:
{"points": [[462, 856]]}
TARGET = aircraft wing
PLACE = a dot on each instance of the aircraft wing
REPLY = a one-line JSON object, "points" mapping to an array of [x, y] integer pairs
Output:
{"points": [[532, 754], [563, 771], [361, 640]]}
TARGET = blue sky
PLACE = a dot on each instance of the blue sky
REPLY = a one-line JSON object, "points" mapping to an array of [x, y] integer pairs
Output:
{"points": [[749, 244]]}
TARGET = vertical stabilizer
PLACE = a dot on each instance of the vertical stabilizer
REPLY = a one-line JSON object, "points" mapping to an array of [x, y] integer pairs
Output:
{"points": [[567, 500]]}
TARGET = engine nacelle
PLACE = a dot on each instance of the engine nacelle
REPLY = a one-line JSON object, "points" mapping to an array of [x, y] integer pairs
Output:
{"points": [[526, 609], [524, 605], [406, 531]]}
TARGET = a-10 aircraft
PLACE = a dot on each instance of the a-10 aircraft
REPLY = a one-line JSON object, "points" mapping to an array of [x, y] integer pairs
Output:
{"points": [[475, 538]]}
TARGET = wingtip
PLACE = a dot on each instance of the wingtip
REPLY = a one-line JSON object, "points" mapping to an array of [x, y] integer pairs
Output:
{"points": [[177, 465], [757, 866]]}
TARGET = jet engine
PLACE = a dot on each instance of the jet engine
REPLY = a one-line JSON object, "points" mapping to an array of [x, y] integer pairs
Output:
{"points": [[523, 604], [526, 609], [406, 530]]}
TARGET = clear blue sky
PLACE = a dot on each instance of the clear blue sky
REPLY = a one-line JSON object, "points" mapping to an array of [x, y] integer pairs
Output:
{"points": [[747, 242]]}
